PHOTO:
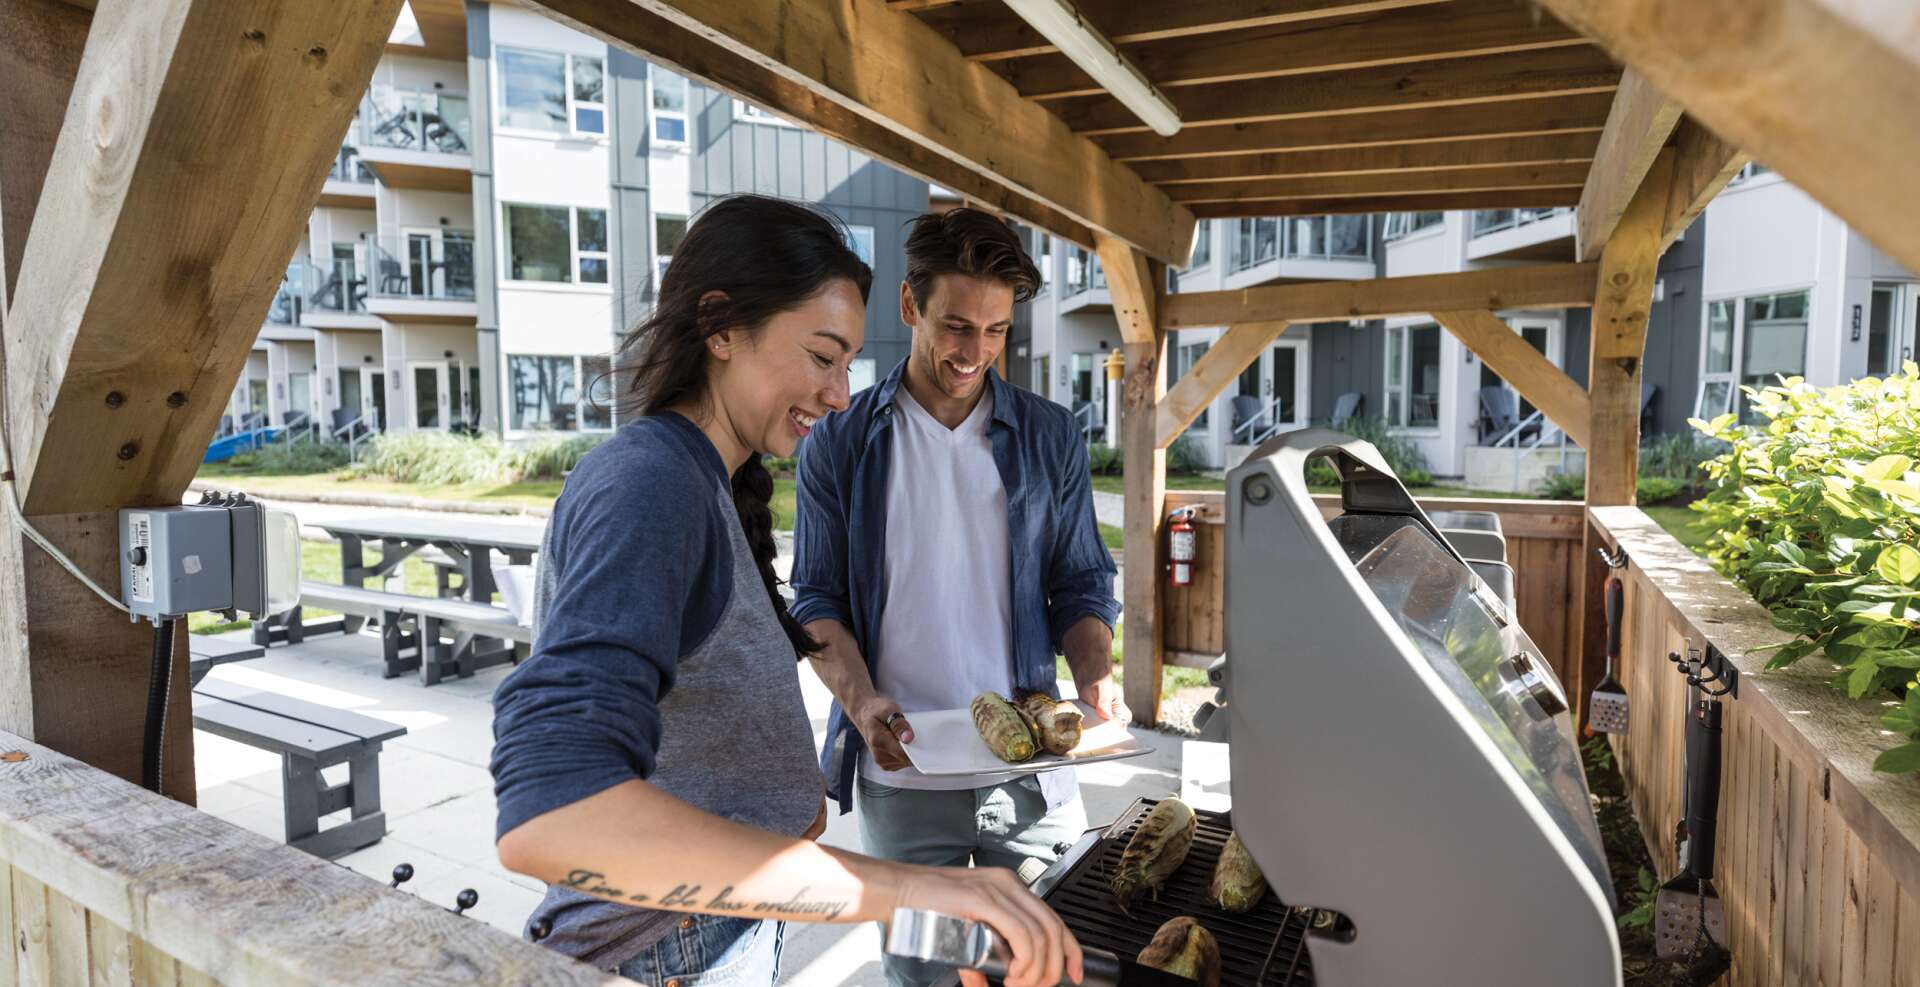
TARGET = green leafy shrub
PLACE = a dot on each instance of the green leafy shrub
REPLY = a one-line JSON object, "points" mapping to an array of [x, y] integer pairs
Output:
{"points": [[1400, 452], [1568, 485], [437, 457], [1183, 457], [550, 459], [1104, 459], [1572, 485], [1817, 514], [1680, 456], [286, 458]]}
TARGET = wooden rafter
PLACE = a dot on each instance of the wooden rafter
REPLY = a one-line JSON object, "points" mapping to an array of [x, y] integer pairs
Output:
{"points": [[1348, 205], [1563, 401], [1823, 91], [1703, 164], [1130, 285], [1483, 178], [1536, 287], [103, 305], [1000, 35], [1637, 128], [691, 54], [895, 71], [1456, 30], [1584, 113], [1219, 366], [1542, 149], [1452, 82]]}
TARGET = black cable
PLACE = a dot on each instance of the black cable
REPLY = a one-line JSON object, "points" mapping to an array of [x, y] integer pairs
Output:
{"points": [[156, 733]]}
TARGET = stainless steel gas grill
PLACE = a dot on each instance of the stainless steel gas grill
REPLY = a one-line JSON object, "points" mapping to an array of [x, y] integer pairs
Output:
{"points": [[1404, 768]]}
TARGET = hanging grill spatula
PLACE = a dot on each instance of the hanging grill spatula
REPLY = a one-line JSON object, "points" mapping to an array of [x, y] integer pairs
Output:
{"points": [[1607, 709], [1687, 909]]}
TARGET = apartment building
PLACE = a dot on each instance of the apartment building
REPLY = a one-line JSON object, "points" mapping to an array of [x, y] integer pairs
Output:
{"points": [[1766, 283], [500, 211]]}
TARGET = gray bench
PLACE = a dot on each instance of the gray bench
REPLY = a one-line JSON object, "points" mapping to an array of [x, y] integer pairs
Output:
{"points": [[308, 737], [437, 637]]}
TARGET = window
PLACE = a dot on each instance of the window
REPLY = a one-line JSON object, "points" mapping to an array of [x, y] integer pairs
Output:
{"points": [[1327, 237], [1488, 221], [1183, 361], [596, 374], [667, 231], [1413, 376], [559, 393], [1892, 326], [1202, 245], [1407, 223], [1750, 342], [1255, 241], [556, 244], [860, 238], [1046, 262], [533, 90], [1082, 379], [1544, 340], [860, 375], [669, 106], [589, 95], [743, 110]]}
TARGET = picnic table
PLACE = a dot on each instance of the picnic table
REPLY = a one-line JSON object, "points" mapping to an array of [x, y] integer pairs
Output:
{"points": [[469, 544], [206, 652]]}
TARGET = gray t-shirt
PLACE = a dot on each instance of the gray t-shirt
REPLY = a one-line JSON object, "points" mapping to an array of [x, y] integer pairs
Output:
{"points": [[658, 655]]}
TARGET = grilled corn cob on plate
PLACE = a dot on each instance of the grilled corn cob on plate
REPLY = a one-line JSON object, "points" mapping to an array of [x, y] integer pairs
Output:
{"points": [[947, 742]]}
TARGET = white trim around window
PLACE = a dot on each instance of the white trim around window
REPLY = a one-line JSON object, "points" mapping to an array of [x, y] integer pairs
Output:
{"points": [[589, 261], [575, 92], [1725, 368], [748, 113], [1411, 410], [668, 127]]}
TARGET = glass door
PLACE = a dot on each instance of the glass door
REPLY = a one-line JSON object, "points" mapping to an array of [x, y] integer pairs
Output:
{"points": [[422, 261], [427, 387], [351, 393], [1287, 369], [377, 389], [1893, 322]]}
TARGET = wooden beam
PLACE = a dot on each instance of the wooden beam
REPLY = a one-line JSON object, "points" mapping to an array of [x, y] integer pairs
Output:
{"points": [[693, 55], [105, 303], [1533, 375], [1220, 366], [1538, 198], [1453, 82], [1545, 286], [1830, 108], [1623, 299], [1489, 178], [1143, 552], [1457, 30], [985, 34], [1542, 149], [900, 74], [1637, 128], [1130, 284], [40, 46], [1703, 164], [1583, 113]]}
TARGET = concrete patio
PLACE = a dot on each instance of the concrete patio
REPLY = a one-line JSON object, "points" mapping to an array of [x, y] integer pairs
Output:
{"points": [[438, 795]]}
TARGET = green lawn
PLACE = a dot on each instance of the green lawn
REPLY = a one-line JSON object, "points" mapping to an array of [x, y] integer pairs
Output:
{"points": [[1682, 523], [321, 561], [532, 493]]}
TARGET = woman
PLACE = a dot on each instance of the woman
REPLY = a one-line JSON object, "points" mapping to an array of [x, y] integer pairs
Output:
{"points": [[653, 756]]}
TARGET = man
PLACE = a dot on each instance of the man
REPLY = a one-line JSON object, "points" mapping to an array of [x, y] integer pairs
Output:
{"points": [[946, 546]]}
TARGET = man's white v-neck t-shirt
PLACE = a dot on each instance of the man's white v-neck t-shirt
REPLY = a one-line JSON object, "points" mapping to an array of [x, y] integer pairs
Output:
{"points": [[946, 629]]}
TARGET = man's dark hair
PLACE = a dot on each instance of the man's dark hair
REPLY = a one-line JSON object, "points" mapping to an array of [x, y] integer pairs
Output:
{"points": [[970, 242]]}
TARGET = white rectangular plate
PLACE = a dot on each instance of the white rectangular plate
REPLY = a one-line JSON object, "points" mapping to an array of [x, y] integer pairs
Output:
{"points": [[946, 743]]}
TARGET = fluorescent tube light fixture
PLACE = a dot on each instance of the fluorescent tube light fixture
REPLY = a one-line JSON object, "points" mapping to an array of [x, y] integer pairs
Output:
{"points": [[1079, 40]]}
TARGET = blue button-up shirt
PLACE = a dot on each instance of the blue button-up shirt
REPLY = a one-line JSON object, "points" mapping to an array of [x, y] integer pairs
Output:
{"points": [[1062, 571]]}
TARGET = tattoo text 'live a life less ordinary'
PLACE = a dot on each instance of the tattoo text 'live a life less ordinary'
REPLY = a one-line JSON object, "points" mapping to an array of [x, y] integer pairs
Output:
{"points": [[690, 897]]}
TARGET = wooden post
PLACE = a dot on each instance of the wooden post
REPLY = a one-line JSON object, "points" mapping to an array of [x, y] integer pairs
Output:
{"points": [[1622, 301], [152, 219], [1136, 285]]}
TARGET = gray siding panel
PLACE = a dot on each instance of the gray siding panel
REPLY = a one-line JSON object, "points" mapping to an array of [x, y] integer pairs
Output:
{"points": [[1347, 359]]}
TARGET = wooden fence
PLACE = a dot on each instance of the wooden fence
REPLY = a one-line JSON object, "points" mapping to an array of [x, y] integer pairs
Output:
{"points": [[103, 884], [1543, 545], [1817, 859]]}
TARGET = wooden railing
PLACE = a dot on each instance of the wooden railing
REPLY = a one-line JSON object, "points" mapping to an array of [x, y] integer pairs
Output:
{"points": [[1818, 862], [1543, 545], [104, 883]]}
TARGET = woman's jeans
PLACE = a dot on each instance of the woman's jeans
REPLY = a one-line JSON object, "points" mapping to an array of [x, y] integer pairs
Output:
{"points": [[712, 951]]}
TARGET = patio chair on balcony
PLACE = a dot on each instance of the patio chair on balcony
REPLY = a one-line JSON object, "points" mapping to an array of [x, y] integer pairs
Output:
{"points": [[393, 277], [1246, 407], [1500, 414], [441, 136], [1347, 406]]}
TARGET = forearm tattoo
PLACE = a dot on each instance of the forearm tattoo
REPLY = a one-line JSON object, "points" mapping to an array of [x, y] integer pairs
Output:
{"points": [[684, 897]]}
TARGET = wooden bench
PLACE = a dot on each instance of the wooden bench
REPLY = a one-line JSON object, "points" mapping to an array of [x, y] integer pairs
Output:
{"points": [[437, 637], [308, 737]]}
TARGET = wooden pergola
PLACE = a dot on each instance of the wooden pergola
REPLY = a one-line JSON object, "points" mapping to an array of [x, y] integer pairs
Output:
{"points": [[159, 159]]}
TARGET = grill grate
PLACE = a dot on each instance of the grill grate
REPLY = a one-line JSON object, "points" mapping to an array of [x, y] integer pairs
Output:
{"points": [[1085, 902]]}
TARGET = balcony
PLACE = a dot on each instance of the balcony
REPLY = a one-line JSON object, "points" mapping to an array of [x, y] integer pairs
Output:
{"points": [[1085, 286], [421, 276], [1314, 248], [416, 138], [335, 296], [1522, 234], [350, 182]]}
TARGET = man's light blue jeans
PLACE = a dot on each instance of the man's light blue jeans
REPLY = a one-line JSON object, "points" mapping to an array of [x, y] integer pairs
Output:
{"points": [[1000, 826]]}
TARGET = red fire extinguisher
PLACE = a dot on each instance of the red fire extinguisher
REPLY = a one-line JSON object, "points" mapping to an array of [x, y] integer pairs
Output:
{"points": [[1180, 534]]}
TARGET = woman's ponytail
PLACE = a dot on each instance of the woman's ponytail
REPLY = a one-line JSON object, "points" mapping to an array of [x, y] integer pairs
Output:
{"points": [[753, 501]]}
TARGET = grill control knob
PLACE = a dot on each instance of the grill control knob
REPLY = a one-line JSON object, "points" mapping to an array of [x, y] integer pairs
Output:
{"points": [[1525, 682]]}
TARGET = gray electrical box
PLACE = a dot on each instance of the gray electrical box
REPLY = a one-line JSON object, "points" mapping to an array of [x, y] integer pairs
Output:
{"points": [[231, 556]]}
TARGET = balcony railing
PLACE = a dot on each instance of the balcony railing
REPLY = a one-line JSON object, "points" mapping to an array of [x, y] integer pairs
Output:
{"points": [[341, 287], [416, 120], [285, 310], [436, 265], [347, 166], [1256, 241], [1084, 272], [1488, 221]]}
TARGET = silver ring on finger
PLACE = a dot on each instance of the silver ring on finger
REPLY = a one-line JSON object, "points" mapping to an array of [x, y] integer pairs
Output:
{"points": [[888, 722]]}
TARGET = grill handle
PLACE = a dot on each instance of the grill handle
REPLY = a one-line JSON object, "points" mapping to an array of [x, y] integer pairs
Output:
{"points": [[933, 937]]}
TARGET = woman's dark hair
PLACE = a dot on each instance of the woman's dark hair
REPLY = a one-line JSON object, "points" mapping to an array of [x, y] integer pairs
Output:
{"points": [[766, 256]]}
